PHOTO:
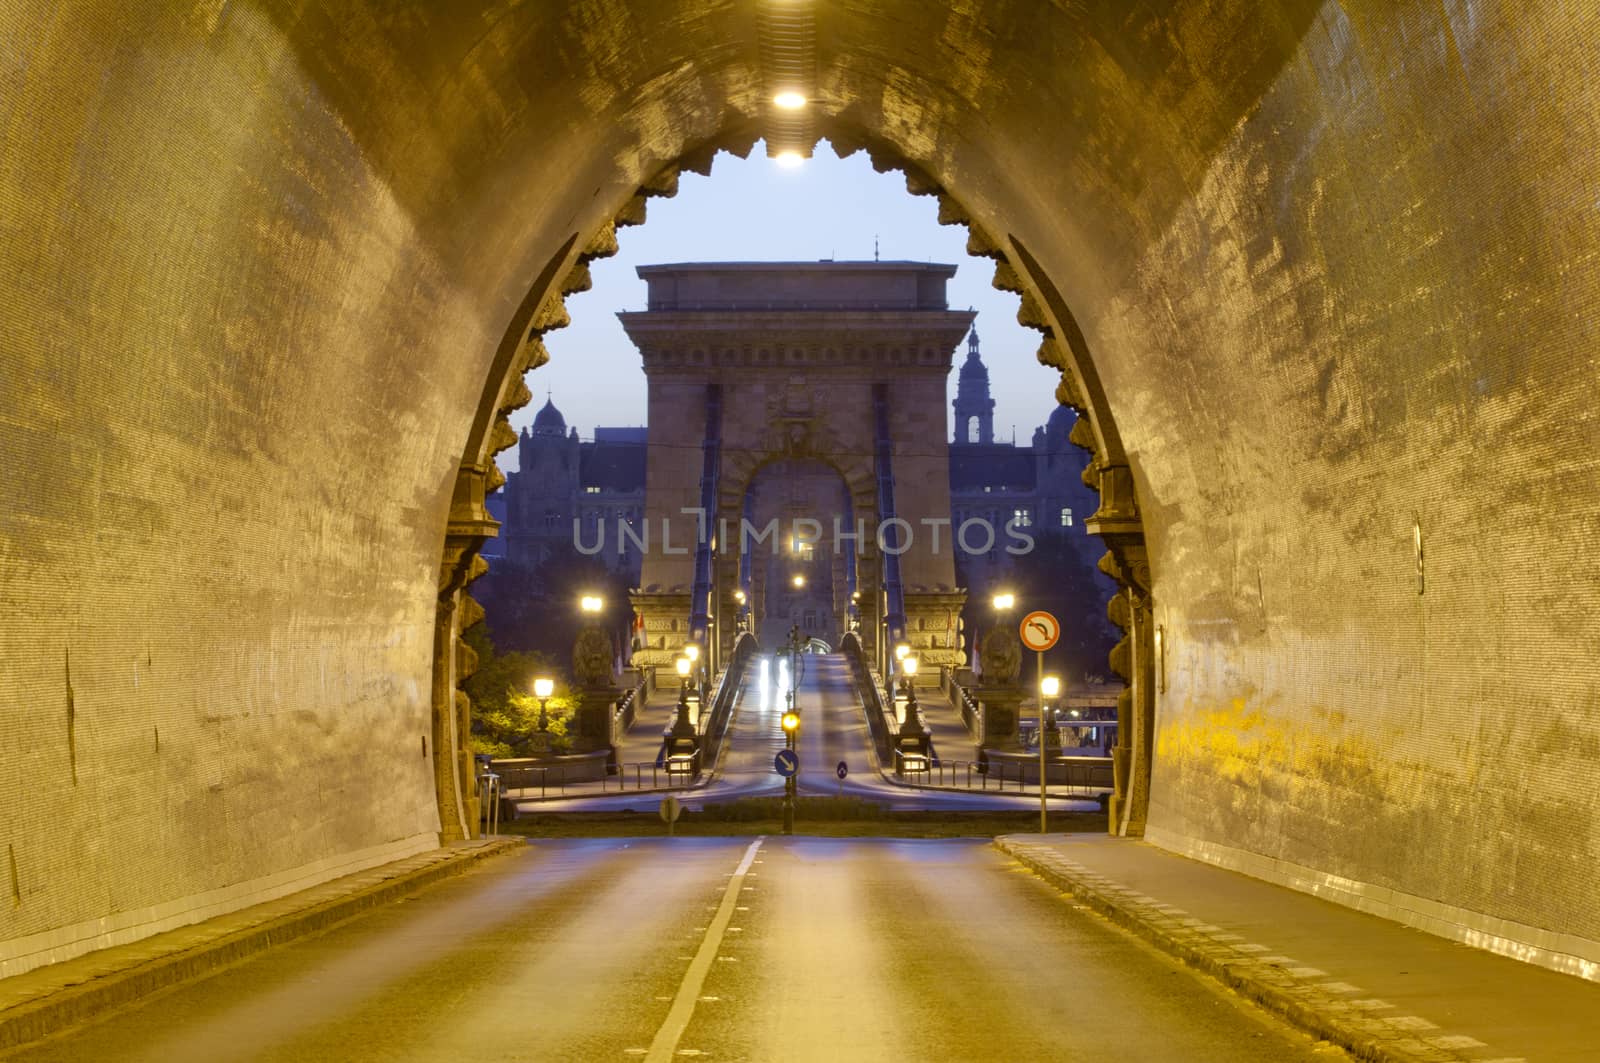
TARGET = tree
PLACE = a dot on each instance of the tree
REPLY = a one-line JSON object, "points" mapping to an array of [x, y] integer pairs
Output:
{"points": [[505, 714]]}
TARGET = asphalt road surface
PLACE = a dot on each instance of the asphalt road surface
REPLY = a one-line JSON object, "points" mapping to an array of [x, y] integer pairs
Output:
{"points": [[768, 949]]}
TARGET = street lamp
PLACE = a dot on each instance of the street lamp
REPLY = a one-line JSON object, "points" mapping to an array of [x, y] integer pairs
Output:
{"points": [[1004, 601], [542, 689], [683, 664], [900, 652], [591, 603], [799, 581], [1049, 687], [692, 651]]}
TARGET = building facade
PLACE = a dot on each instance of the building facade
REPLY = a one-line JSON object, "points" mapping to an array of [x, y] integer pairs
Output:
{"points": [[561, 479], [1036, 488]]}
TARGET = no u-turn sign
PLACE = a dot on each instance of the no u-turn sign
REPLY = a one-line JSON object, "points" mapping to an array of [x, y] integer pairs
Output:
{"points": [[1040, 630]]}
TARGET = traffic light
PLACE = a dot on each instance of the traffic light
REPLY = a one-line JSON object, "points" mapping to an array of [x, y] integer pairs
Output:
{"points": [[791, 722]]}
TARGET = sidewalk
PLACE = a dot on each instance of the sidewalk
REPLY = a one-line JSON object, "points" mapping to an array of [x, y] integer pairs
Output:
{"points": [[1379, 989], [42, 1001]]}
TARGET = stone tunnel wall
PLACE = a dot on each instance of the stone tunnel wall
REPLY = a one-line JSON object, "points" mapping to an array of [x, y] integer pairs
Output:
{"points": [[1341, 288], [1336, 265], [252, 289], [1369, 454]]}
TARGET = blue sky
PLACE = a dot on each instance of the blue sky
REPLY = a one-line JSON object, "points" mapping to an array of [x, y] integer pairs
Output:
{"points": [[754, 209]]}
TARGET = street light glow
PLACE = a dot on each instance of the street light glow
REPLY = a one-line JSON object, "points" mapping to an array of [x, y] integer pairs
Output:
{"points": [[1005, 601], [682, 664], [791, 722], [789, 101], [1050, 686], [738, 596], [790, 159], [590, 603], [543, 688], [692, 651], [900, 651], [799, 581], [909, 666]]}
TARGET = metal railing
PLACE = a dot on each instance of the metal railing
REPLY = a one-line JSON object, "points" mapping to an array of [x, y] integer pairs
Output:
{"points": [[633, 775], [871, 696], [1003, 775], [714, 724]]}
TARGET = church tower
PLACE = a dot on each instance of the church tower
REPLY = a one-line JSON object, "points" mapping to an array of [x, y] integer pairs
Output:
{"points": [[972, 401]]}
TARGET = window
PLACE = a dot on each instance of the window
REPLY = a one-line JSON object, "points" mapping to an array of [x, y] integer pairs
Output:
{"points": [[1066, 517], [591, 490], [1021, 517]]}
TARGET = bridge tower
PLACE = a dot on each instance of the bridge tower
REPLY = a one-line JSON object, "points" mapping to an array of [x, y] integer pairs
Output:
{"points": [[798, 391]]}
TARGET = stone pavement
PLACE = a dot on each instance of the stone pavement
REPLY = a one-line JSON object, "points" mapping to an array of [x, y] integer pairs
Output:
{"points": [[1382, 990], [42, 1001]]}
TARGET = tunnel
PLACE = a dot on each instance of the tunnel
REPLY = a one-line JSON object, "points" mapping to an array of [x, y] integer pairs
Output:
{"points": [[1319, 276]]}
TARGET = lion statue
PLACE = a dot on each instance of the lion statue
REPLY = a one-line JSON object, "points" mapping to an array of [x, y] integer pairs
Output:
{"points": [[591, 658], [1001, 657]]}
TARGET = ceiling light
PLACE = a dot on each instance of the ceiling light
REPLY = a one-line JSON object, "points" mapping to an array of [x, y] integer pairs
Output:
{"points": [[789, 101]]}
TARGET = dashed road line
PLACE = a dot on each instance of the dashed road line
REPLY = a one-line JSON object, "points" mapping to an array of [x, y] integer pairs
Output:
{"points": [[665, 1044]]}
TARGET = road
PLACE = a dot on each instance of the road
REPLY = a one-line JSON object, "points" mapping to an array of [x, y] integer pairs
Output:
{"points": [[661, 949], [833, 728]]}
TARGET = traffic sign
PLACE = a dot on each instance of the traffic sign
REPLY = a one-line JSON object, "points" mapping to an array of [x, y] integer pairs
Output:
{"points": [[1040, 630], [842, 770], [670, 809], [786, 763]]}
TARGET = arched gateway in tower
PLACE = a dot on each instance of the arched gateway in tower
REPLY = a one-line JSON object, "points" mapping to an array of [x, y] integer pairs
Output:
{"points": [[831, 375]]}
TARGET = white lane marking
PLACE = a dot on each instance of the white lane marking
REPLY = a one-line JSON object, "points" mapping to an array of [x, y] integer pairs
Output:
{"points": [[665, 1043]]}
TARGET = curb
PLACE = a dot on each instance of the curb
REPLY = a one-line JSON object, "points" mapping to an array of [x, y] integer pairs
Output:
{"points": [[1298, 998], [100, 989]]}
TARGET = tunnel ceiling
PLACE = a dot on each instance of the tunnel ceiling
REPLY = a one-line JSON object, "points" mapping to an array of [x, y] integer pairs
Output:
{"points": [[1333, 266]]}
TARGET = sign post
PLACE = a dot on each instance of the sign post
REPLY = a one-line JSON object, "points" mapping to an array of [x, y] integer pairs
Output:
{"points": [[670, 810], [1040, 631]]}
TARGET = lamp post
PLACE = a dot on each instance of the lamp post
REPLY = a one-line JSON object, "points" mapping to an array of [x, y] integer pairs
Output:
{"points": [[683, 725], [692, 651], [900, 653], [542, 689], [1049, 687], [911, 726]]}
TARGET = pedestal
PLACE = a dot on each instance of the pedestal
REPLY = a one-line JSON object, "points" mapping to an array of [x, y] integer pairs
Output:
{"points": [[592, 719], [666, 630], [933, 629], [1001, 709]]}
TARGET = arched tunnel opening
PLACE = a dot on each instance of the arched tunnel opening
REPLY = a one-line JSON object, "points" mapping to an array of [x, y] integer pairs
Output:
{"points": [[1313, 274], [793, 558]]}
